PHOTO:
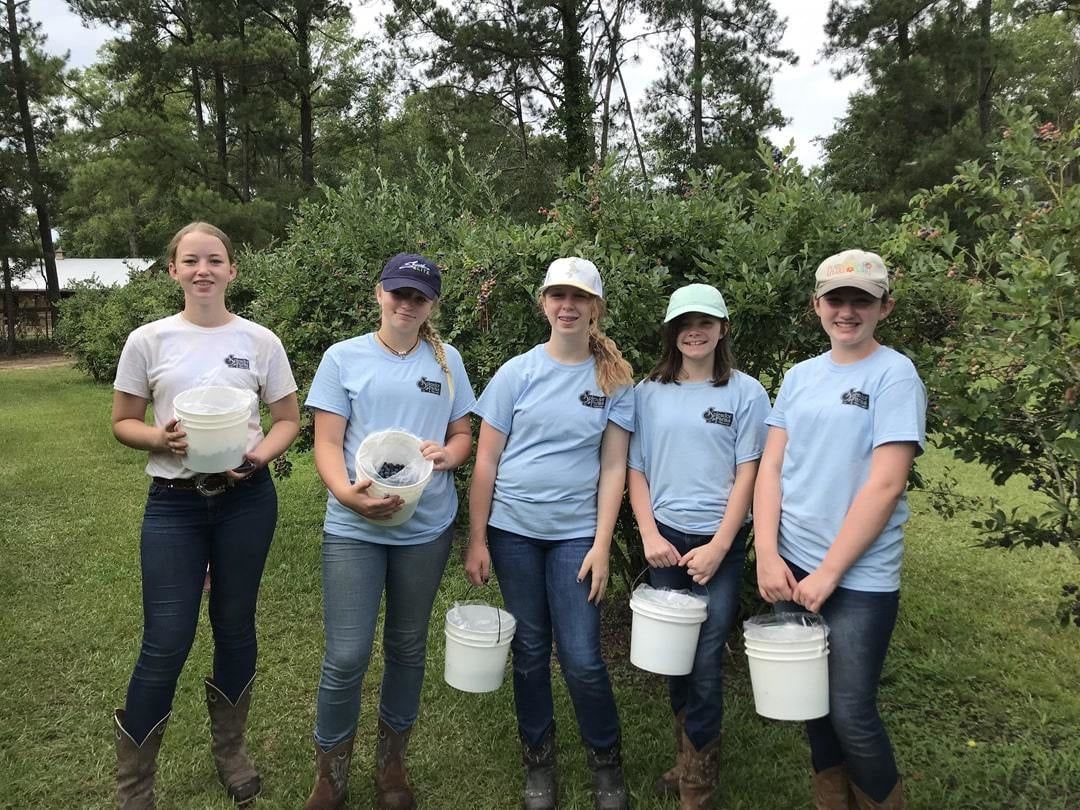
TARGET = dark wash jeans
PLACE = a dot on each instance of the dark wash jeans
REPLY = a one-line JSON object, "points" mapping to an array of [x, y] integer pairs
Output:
{"points": [[860, 627], [701, 692], [182, 531], [538, 580]]}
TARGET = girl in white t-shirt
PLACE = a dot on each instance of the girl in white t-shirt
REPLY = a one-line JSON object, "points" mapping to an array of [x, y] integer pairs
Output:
{"points": [[829, 510], [400, 376], [700, 429], [225, 520], [546, 488]]}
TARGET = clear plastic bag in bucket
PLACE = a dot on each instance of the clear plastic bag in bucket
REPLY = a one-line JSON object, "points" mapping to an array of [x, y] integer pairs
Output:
{"points": [[395, 465], [788, 654]]}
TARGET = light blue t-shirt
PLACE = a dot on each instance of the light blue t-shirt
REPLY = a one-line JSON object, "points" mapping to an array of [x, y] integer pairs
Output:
{"points": [[374, 390], [553, 416], [688, 440], [835, 415]]}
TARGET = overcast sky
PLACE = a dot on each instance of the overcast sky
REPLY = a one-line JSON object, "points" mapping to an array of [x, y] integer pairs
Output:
{"points": [[806, 94]]}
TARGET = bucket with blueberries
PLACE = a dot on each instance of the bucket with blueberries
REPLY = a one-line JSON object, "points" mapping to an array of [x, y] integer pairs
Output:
{"points": [[393, 462]]}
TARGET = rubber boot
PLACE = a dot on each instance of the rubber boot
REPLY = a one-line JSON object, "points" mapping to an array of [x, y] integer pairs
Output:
{"points": [[331, 777], [392, 789], [609, 789], [701, 771], [227, 723], [136, 764], [833, 789], [668, 783], [541, 787], [894, 801]]}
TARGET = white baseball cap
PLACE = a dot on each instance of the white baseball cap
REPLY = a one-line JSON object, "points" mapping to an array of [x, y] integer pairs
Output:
{"points": [[574, 271]]}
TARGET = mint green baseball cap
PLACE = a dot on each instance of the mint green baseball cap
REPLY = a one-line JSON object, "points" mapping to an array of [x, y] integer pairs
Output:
{"points": [[696, 298]]}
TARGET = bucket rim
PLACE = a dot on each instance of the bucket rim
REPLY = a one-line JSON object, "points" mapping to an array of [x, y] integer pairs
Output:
{"points": [[650, 611]]}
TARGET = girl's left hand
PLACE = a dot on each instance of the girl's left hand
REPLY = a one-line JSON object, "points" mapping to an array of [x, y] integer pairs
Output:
{"points": [[436, 453], [701, 562], [250, 465], [814, 590], [596, 564]]}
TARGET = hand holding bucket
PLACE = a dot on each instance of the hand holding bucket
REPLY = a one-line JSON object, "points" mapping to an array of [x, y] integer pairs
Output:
{"points": [[215, 419], [395, 465]]}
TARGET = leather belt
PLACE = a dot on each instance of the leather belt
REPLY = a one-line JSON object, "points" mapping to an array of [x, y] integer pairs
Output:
{"points": [[206, 484]]}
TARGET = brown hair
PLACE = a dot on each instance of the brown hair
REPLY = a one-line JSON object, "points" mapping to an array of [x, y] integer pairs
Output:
{"points": [[201, 227], [669, 365]]}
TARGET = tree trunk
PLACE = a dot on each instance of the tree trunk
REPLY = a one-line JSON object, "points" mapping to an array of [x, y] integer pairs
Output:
{"points": [[986, 67], [200, 121], [576, 112], [9, 306], [221, 132], [37, 188], [696, 86], [307, 136], [519, 112]]}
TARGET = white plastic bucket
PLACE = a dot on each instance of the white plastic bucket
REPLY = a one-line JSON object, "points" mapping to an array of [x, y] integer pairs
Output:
{"points": [[478, 640], [665, 628], [215, 419], [789, 665], [393, 447]]}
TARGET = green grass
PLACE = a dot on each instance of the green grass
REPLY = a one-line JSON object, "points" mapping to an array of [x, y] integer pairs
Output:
{"points": [[981, 690]]}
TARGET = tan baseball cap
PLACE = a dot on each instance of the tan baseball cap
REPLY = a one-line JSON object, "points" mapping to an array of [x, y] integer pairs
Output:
{"points": [[852, 268]]}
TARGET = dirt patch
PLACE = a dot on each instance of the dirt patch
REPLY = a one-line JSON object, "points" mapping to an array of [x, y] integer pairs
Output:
{"points": [[23, 362]]}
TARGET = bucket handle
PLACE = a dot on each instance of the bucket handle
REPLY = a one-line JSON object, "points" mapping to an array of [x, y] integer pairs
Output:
{"points": [[646, 569], [498, 614]]}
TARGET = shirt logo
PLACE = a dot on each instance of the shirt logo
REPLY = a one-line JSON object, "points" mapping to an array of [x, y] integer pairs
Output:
{"points": [[853, 397], [232, 361], [715, 417], [429, 386], [592, 400]]}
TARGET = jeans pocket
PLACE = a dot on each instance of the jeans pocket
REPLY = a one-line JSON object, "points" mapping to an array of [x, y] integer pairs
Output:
{"points": [[155, 490]]}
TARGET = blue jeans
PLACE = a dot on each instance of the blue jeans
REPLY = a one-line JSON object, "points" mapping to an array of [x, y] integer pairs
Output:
{"points": [[538, 580], [860, 627], [182, 531], [355, 573], [701, 692]]}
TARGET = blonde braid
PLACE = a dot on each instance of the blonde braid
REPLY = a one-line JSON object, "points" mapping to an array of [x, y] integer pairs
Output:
{"points": [[612, 369], [429, 334]]}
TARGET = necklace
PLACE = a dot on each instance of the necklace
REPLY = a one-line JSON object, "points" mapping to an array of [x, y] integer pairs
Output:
{"points": [[392, 350]]}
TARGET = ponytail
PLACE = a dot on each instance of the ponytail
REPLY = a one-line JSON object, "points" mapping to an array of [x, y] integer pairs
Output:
{"points": [[612, 369], [431, 337]]}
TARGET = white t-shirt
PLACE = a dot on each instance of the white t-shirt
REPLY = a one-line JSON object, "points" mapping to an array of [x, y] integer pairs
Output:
{"points": [[553, 416], [163, 358], [690, 438]]}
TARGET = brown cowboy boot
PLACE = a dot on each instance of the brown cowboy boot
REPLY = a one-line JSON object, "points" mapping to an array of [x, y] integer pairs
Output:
{"points": [[832, 789], [392, 789], [227, 723], [668, 782], [541, 789], [701, 771], [894, 801], [136, 764], [331, 777]]}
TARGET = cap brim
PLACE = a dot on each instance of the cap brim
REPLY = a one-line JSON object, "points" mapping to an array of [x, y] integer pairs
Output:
{"points": [[425, 289], [715, 312], [574, 284], [874, 288]]}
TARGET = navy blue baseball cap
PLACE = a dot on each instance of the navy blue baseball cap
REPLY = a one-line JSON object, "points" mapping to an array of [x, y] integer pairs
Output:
{"points": [[412, 270]]}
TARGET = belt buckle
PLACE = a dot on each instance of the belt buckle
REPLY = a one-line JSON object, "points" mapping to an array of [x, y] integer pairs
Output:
{"points": [[218, 484]]}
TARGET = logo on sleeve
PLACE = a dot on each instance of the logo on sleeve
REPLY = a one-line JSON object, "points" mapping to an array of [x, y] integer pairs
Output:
{"points": [[590, 400], [715, 417], [232, 361], [853, 397], [429, 386]]}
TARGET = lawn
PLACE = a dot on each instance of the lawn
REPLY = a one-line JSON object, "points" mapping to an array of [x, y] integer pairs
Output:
{"points": [[981, 690]]}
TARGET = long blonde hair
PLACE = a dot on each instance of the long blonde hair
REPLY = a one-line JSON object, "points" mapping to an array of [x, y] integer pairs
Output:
{"points": [[612, 369], [430, 335]]}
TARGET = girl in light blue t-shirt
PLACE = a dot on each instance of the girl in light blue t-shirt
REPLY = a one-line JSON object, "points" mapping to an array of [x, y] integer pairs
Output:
{"points": [[546, 488], [828, 515], [700, 429], [400, 376]]}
